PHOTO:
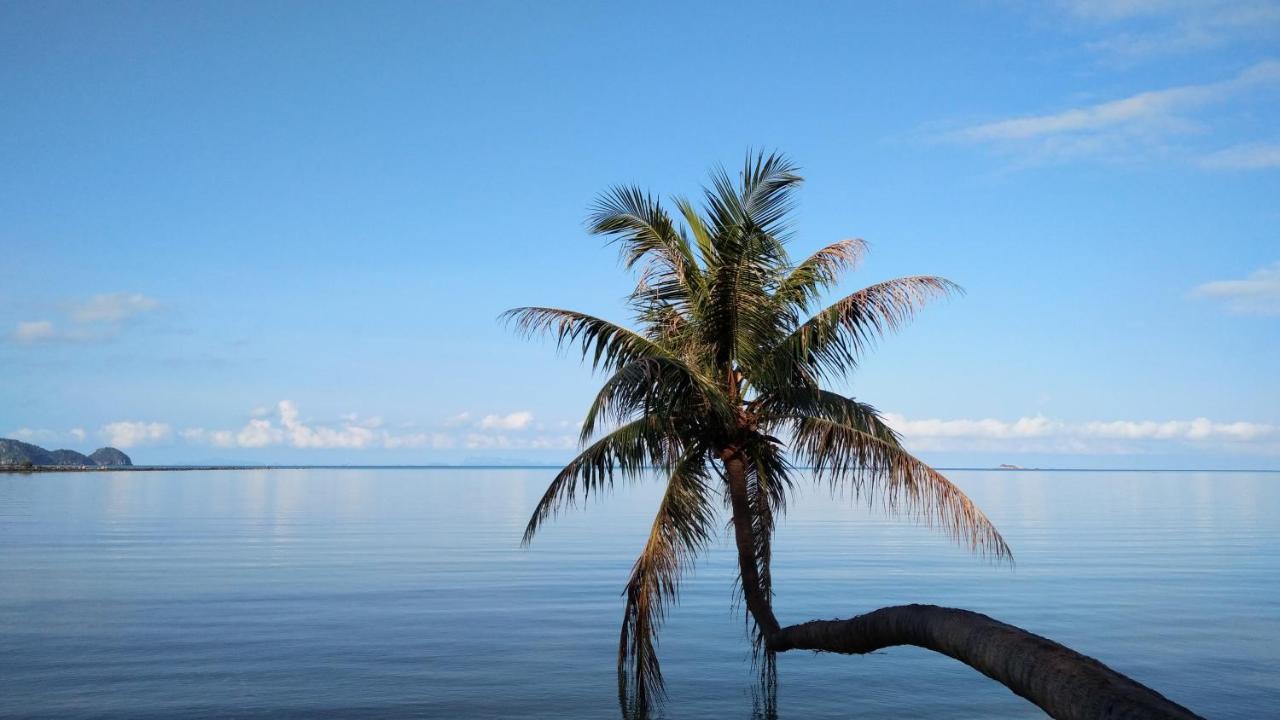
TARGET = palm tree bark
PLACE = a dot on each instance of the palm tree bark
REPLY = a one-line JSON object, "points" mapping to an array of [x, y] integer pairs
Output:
{"points": [[1061, 681], [758, 604]]}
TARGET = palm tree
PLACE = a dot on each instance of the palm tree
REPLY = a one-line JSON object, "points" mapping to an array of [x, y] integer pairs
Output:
{"points": [[720, 390]]}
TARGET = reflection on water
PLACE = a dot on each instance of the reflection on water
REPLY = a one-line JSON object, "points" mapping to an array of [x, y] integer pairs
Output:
{"points": [[404, 593]]}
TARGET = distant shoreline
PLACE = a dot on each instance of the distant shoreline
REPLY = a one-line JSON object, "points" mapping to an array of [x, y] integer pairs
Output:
{"points": [[42, 469]]}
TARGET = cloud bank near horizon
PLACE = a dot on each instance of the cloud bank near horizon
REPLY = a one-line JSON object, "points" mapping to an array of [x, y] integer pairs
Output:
{"points": [[283, 426], [286, 428], [1039, 434]]}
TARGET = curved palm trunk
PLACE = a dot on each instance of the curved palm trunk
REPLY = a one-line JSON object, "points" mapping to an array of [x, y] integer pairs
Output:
{"points": [[758, 604], [1061, 681]]}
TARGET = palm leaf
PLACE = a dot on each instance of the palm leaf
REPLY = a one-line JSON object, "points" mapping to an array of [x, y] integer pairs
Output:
{"points": [[832, 340], [818, 272], [858, 454], [646, 233], [609, 346], [683, 527], [627, 451], [637, 388]]}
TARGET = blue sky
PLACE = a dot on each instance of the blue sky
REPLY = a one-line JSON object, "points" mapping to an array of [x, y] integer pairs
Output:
{"points": [[283, 232]]}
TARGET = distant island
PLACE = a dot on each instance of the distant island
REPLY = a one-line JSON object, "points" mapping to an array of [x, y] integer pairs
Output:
{"points": [[1006, 466], [17, 455]]}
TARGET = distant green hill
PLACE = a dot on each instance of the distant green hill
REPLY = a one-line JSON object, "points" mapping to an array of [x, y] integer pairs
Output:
{"points": [[15, 453]]}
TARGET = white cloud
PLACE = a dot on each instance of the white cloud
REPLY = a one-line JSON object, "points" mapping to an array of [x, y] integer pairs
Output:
{"points": [[987, 428], [194, 434], [125, 433], [1136, 30], [33, 331], [1040, 434], [507, 442], [301, 435], [1250, 156], [111, 308], [1137, 124], [288, 428], [1258, 294], [50, 439], [97, 318], [218, 438], [1026, 434], [1115, 9], [35, 436], [285, 426], [418, 440], [257, 433], [1197, 429], [511, 421]]}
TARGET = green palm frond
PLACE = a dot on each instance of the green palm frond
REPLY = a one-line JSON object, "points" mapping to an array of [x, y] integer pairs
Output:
{"points": [[702, 235], [787, 403], [683, 527], [609, 346], [831, 342], [648, 236], [759, 202], [628, 451], [661, 385]]}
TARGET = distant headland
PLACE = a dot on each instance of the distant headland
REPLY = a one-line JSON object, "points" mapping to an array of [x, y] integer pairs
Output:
{"points": [[17, 455]]}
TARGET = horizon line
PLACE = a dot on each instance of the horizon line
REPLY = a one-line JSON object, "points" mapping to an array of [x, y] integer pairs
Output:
{"points": [[14, 470]]}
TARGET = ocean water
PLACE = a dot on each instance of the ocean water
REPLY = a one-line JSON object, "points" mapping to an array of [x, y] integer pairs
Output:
{"points": [[349, 593]]}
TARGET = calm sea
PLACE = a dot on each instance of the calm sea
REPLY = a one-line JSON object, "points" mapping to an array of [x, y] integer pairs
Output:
{"points": [[405, 593]]}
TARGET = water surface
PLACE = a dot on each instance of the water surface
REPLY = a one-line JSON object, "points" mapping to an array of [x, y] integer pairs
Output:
{"points": [[404, 593]]}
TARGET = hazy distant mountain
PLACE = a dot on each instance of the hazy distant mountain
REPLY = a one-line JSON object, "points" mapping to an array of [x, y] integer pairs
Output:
{"points": [[69, 457], [110, 457], [16, 452]]}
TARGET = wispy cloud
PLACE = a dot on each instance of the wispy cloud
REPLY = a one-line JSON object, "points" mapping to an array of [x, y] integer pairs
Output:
{"points": [[1041, 434], [1138, 124], [50, 439], [1131, 31], [508, 442], [1258, 294], [1250, 156], [111, 308], [286, 427], [33, 331], [130, 433], [513, 421], [97, 318], [34, 435]]}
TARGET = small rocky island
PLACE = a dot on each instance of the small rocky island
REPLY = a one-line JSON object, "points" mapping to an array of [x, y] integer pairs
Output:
{"points": [[17, 455]]}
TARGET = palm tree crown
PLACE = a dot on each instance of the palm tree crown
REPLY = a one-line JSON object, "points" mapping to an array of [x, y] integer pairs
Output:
{"points": [[720, 390]]}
